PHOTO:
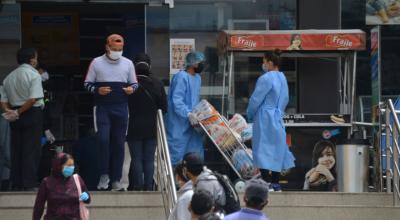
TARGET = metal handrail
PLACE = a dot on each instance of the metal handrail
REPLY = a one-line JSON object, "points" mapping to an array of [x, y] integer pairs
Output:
{"points": [[392, 130], [166, 179]]}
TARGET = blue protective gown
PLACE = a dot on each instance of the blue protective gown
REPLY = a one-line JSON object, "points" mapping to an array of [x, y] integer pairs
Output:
{"points": [[266, 108], [183, 96]]}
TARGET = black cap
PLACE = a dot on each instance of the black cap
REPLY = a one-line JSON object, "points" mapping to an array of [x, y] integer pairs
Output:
{"points": [[257, 189], [193, 162]]}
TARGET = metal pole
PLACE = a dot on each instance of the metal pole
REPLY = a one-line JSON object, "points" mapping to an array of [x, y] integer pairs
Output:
{"points": [[395, 150], [344, 91], [388, 132], [353, 90], [167, 157], [223, 87], [230, 83], [395, 166]]}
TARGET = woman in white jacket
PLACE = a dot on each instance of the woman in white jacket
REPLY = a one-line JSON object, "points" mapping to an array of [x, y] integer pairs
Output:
{"points": [[185, 193]]}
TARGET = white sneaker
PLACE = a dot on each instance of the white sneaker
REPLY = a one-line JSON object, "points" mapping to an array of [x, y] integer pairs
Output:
{"points": [[104, 181], [117, 186]]}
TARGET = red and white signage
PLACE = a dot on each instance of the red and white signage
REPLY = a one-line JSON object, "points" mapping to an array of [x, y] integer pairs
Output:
{"points": [[293, 40]]}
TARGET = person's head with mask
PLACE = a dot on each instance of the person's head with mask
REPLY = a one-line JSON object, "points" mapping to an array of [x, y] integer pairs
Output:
{"points": [[114, 47], [271, 61], [63, 165], [142, 64], [180, 177], [27, 56], [194, 62]]}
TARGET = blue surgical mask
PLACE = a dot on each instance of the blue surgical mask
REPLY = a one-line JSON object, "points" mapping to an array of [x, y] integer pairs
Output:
{"points": [[264, 67], [68, 171]]}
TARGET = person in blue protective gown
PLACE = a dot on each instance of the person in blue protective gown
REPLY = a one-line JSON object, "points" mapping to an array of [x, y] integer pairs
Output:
{"points": [[183, 96], [266, 108]]}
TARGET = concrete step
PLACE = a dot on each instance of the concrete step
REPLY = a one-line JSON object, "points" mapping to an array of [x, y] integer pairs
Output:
{"points": [[285, 205], [274, 213], [332, 213], [146, 199], [329, 199]]}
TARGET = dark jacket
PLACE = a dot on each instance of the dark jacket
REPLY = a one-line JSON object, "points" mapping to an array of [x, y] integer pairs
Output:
{"points": [[61, 196], [143, 108]]}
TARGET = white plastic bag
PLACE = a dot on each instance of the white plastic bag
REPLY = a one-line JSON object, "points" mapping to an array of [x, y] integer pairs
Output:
{"points": [[237, 123], [247, 133], [204, 110], [243, 163]]}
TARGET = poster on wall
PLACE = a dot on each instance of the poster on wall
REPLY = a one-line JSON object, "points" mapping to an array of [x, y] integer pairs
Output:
{"points": [[178, 49], [315, 151], [382, 12]]}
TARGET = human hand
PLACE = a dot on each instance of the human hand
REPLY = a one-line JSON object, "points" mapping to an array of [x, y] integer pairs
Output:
{"points": [[84, 196], [105, 90], [323, 170], [11, 115], [128, 90], [193, 119], [49, 136]]}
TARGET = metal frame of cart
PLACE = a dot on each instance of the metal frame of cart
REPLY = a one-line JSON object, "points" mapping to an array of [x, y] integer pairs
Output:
{"points": [[228, 153]]}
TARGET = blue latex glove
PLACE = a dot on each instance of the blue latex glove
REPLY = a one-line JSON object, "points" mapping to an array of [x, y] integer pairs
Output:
{"points": [[84, 196]]}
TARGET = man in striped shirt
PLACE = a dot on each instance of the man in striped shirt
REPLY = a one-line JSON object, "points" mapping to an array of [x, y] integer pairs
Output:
{"points": [[111, 78]]}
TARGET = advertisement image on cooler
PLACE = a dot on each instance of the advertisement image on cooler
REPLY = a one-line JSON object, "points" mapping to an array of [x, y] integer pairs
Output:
{"points": [[293, 40]]}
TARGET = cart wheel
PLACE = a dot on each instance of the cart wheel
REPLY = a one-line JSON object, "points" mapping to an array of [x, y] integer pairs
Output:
{"points": [[240, 185]]}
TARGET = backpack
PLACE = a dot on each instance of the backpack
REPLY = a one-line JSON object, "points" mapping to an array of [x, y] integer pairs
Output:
{"points": [[232, 200]]}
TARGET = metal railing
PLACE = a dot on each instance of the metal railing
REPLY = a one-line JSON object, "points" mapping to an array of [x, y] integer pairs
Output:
{"points": [[165, 175], [392, 130]]}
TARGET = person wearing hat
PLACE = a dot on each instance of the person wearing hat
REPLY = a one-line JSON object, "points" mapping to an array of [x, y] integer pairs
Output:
{"points": [[142, 129], [255, 198], [183, 96], [203, 179], [111, 78]]}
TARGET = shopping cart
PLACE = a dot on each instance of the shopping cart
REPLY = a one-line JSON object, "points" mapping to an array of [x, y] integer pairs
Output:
{"points": [[229, 144]]}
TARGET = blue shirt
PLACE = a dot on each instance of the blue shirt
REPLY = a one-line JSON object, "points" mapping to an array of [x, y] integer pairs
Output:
{"points": [[246, 214]]}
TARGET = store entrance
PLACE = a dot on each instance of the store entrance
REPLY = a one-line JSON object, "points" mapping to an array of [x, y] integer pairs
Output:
{"points": [[68, 36]]}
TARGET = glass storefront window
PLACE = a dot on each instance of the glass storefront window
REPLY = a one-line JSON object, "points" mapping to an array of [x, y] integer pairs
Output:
{"points": [[202, 22], [9, 39]]}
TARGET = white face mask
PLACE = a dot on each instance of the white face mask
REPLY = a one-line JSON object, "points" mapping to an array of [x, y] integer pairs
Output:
{"points": [[264, 67], [45, 76], [115, 55]]}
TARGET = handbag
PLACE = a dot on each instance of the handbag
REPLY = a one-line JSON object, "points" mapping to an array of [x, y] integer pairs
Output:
{"points": [[83, 210]]}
